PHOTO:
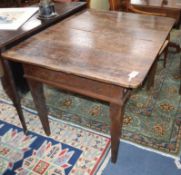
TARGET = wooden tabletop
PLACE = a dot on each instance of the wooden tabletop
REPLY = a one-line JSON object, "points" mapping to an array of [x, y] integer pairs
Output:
{"points": [[158, 3], [113, 47], [34, 25]]}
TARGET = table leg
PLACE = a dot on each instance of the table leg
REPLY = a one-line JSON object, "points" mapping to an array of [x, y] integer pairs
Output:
{"points": [[10, 88], [116, 116], [39, 101], [151, 77], [165, 57]]}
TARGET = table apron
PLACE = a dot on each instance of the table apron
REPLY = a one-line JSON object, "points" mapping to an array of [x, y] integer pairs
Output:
{"points": [[76, 84]]}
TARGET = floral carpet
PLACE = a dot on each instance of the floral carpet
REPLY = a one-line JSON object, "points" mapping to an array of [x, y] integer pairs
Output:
{"points": [[152, 118], [68, 151]]}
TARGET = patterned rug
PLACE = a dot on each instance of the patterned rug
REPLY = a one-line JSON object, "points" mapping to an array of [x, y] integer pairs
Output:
{"points": [[70, 150]]}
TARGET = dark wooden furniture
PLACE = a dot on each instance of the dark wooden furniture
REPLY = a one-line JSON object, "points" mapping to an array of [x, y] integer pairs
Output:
{"points": [[99, 54], [172, 8], [169, 8], [12, 80]]}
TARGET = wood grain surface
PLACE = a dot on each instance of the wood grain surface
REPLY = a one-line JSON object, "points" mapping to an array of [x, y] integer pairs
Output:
{"points": [[99, 45]]}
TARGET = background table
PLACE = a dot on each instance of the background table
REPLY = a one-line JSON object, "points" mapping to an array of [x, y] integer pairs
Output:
{"points": [[13, 81], [172, 8]]}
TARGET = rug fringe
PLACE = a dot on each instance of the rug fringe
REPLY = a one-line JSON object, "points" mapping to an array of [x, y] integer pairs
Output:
{"points": [[104, 164]]}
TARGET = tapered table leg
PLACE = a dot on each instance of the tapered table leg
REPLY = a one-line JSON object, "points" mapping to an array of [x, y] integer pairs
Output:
{"points": [[116, 116], [151, 77], [165, 57], [39, 101], [10, 88]]}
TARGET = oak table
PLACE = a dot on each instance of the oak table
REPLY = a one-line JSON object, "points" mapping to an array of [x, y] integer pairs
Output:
{"points": [[172, 8], [13, 81], [99, 54]]}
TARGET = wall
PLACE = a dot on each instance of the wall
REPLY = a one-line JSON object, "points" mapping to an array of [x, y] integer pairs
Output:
{"points": [[100, 4]]}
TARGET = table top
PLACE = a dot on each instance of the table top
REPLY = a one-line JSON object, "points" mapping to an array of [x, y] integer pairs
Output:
{"points": [[158, 3], [34, 25], [113, 47]]}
